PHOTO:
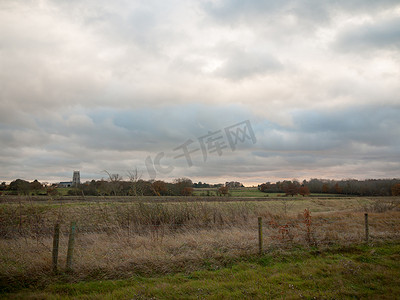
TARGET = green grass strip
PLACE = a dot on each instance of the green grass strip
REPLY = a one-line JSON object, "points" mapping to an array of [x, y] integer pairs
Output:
{"points": [[336, 273]]}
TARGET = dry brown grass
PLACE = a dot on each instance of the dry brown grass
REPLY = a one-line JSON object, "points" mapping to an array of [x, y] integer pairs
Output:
{"points": [[121, 239]]}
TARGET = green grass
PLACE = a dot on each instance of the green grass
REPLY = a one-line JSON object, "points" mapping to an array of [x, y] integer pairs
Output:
{"points": [[335, 273], [63, 191], [252, 192], [248, 192], [242, 192]]}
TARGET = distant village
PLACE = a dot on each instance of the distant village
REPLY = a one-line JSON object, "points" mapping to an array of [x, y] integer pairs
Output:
{"points": [[135, 186]]}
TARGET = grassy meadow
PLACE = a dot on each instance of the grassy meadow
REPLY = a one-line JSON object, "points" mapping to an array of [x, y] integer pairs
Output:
{"points": [[239, 192], [361, 272], [144, 249], [236, 192], [250, 192]]}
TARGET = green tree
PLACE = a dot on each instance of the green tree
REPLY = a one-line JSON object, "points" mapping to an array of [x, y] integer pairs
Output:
{"points": [[20, 186], [35, 186]]}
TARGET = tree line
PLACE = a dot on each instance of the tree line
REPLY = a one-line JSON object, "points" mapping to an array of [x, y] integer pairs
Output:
{"points": [[114, 186], [134, 186], [369, 187], [139, 187]]}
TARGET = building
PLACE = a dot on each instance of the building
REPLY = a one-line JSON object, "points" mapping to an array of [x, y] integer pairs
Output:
{"points": [[76, 180], [65, 184]]}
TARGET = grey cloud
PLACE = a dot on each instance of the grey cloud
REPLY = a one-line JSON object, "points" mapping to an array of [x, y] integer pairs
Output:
{"points": [[372, 125], [110, 139], [348, 138], [242, 64], [315, 10], [233, 9], [362, 5], [383, 34], [329, 142], [313, 143], [295, 165]]}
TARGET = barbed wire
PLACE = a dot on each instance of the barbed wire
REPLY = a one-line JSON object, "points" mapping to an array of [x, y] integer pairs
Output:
{"points": [[392, 224]]}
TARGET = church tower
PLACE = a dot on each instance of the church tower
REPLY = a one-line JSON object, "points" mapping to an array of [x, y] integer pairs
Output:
{"points": [[76, 179]]}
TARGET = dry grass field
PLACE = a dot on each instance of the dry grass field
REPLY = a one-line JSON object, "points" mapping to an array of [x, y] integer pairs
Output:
{"points": [[122, 239]]}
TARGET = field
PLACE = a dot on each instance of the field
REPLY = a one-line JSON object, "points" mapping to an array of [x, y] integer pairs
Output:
{"points": [[347, 272], [236, 192], [175, 247], [239, 192], [248, 192]]}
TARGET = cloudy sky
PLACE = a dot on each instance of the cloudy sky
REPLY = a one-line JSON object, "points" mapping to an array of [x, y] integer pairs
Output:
{"points": [[110, 85]]}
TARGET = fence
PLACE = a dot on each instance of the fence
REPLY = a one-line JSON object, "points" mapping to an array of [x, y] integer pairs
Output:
{"points": [[309, 231], [128, 238]]}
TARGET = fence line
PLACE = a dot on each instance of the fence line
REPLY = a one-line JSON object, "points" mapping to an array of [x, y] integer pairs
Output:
{"points": [[81, 228], [282, 232]]}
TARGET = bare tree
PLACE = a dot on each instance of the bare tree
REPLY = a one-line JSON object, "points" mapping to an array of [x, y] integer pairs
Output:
{"points": [[134, 177], [115, 181]]}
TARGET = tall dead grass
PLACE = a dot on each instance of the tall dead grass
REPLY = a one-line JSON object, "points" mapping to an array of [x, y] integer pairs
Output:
{"points": [[119, 240]]}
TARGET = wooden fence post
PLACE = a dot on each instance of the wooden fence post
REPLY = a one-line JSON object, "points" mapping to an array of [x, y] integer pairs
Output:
{"points": [[366, 228], [56, 240], [71, 243], [260, 236]]}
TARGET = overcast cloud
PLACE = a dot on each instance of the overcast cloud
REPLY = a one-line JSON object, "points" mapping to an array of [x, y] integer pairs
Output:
{"points": [[103, 85]]}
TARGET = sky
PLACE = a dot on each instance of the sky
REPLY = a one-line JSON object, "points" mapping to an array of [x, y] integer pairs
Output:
{"points": [[251, 91]]}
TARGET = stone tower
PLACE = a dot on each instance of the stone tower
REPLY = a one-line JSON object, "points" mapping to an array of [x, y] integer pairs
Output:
{"points": [[76, 179]]}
